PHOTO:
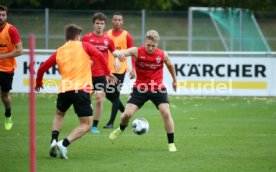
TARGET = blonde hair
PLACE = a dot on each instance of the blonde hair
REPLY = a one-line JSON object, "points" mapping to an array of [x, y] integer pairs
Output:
{"points": [[152, 35]]}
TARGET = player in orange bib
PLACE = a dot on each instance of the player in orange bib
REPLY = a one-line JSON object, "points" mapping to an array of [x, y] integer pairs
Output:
{"points": [[10, 48], [74, 61], [122, 40]]}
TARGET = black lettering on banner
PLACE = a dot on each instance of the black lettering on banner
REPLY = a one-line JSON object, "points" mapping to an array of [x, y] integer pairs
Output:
{"points": [[231, 70], [193, 70], [26, 68], [179, 70], [259, 70], [55, 70], [218, 69], [246, 70], [207, 69]]}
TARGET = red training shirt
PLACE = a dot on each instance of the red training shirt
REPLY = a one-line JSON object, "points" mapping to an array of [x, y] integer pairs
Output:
{"points": [[14, 34], [149, 70], [102, 43]]}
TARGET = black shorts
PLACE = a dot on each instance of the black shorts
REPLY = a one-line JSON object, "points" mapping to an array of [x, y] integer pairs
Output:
{"points": [[81, 102], [120, 77], [6, 81], [99, 83], [139, 98], [116, 88]]}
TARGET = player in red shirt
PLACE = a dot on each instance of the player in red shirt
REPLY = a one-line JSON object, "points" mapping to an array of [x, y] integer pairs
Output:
{"points": [[10, 48], [149, 85], [103, 43]]}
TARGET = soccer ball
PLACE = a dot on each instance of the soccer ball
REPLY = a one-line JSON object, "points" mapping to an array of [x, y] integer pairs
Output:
{"points": [[140, 126]]}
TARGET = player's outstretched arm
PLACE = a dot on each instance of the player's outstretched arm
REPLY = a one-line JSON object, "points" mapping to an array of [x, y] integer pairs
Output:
{"points": [[122, 54], [50, 62]]}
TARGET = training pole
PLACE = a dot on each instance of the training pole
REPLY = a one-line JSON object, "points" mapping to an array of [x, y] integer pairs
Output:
{"points": [[32, 105]]}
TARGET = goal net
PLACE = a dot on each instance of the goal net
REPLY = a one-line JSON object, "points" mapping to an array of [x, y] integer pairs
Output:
{"points": [[218, 29]]}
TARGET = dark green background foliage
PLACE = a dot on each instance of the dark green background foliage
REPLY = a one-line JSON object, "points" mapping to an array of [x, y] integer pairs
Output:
{"points": [[139, 4]]}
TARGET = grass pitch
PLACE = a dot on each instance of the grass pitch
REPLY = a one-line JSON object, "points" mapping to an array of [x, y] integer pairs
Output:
{"points": [[211, 134]]}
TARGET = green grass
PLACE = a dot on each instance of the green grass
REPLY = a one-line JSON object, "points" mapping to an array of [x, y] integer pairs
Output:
{"points": [[211, 134]]}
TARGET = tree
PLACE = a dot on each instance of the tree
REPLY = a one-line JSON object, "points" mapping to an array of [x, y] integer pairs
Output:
{"points": [[21, 3], [156, 4], [165, 5]]}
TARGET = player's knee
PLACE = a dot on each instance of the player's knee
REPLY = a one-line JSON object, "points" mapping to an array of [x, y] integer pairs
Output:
{"points": [[127, 115], [60, 114], [4, 97], [166, 115], [88, 127], [99, 100], [89, 124], [163, 110]]}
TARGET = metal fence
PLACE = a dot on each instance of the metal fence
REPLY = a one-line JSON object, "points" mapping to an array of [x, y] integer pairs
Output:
{"points": [[48, 26]]}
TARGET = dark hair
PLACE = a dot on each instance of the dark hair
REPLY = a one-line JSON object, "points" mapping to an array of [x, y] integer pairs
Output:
{"points": [[3, 8], [117, 13], [71, 31], [99, 16]]}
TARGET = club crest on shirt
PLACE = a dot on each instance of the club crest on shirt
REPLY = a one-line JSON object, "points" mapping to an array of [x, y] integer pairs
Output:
{"points": [[141, 65], [158, 59], [105, 42]]}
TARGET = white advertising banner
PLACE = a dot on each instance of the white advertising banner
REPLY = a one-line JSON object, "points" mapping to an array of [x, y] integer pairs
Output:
{"points": [[226, 76], [22, 75]]}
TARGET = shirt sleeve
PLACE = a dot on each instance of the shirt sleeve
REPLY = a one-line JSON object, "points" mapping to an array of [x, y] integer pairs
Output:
{"points": [[84, 39], [14, 34], [111, 47], [96, 56], [50, 62], [130, 44], [129, 41]]}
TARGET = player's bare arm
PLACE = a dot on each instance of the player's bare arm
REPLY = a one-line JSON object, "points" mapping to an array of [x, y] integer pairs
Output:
{"points": [[132, 73], [133, 51], [117, 65], [171, 69], [122, 54], [111, 79]]}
